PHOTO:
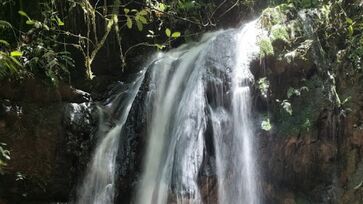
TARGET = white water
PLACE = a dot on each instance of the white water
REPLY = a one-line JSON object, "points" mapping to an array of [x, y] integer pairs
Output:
{"points": [[176, 137], [195, 90], [235, 152], [167, 131], [99, 183]]}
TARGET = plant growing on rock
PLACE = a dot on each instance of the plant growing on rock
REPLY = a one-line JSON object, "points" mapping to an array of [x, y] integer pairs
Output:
{"points": [[4, 156]]}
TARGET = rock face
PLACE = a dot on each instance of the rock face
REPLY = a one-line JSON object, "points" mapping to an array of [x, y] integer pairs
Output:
{"points": [[314, 154], [47, 136]]}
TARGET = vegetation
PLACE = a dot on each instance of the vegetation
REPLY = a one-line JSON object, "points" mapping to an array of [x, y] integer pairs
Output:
{"points": [[40, 45], [326, 33], [4, 156]]}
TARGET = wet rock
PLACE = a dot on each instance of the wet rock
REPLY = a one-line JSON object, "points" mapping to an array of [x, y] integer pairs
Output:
{"points": [[35, 128], [33, 136], [80, 123]]}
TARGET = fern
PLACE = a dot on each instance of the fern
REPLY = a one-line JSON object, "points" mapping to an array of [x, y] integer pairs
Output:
{"points": [[9, 65], [5, 24]]}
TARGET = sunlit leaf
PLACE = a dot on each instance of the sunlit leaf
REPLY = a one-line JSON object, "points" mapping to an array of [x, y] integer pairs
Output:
{"points": [[45, 27], [22, 13], [143, 12], [266, 125], [126, 10], [38, 24], [129, 22], [160, 47], [263, 86], [350, 30], [176, 34], [162, 7], [59, 21], [287, 107], [168, 32], [16, 54], [349, 20], [30, 22], [143, 19]]}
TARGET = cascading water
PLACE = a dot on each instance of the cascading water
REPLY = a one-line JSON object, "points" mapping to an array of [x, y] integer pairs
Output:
{"points": [[99, 183], [235, 156], [176, 147], [200, 99]]}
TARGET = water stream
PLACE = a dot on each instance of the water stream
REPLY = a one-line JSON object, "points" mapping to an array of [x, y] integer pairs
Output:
{"points": [[200, 95]]}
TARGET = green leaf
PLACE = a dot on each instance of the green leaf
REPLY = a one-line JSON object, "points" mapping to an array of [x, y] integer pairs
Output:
{"points": [[307, 124], [287, 107], [143, 13], [290, 92], [5, 24], [59, 21], [346, 100], [126, 10], [16, 54], [139, 25], [263, 86], [161, 7], [350, 30], [168, 32], [160, 47], [30, 22], [349, 21], [129, 22], [266, 125], [176, 34], [4, 42], [143, 19], [22, 13], [45, 27], [38, 24]]}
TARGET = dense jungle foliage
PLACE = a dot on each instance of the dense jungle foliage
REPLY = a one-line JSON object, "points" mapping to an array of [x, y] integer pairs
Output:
{"points": [[37, 37]]}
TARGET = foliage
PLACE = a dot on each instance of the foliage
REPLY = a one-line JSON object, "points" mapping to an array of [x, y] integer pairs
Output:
{"points": [[266, 47], [296, 92], [154, 23], [45, 62], [286, 105], [36, 52], [263, 86], [279, 32], [299, 52], [9, 64], [329, 34], [266, 125], [4, 156]]}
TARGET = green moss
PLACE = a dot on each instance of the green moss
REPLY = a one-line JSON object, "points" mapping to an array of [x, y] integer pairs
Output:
{"points": [[279, 32], [275, 15], [266, 47]]}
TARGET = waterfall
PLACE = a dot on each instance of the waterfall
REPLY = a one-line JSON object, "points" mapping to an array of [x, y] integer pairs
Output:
{"points": [[189, 91], [201, 118], [235, 154], [99, 184]]}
